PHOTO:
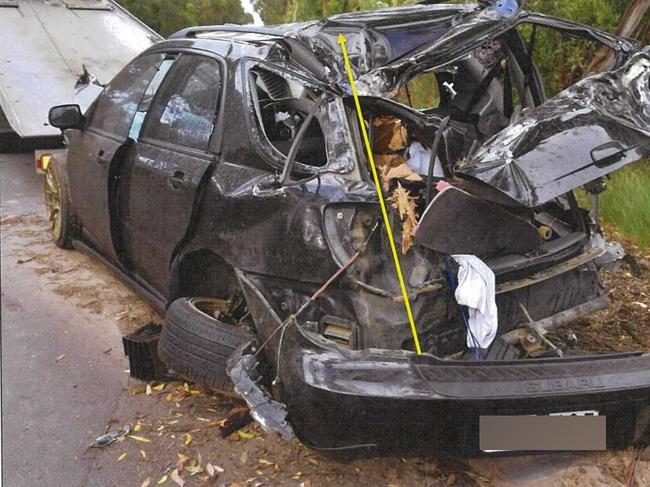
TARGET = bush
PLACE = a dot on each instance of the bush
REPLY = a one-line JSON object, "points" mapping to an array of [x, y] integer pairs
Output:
{"points": [[626, 203]]}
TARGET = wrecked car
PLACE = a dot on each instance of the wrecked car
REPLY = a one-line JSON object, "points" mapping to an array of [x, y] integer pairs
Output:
{"points": [[222, 173]]}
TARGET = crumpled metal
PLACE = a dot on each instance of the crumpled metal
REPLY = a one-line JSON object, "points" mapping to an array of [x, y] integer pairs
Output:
{"points": [[550, 150]]}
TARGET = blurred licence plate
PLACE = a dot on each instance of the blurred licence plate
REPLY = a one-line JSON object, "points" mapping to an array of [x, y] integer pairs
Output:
{"points": [[565, 431]]}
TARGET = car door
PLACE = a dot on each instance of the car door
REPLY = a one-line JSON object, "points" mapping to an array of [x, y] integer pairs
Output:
{"points": [[92, 150], [159, 184]]}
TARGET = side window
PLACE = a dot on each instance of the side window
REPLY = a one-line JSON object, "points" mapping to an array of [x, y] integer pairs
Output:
{"points": [[117, 105], [281, 106], [184, 111]]}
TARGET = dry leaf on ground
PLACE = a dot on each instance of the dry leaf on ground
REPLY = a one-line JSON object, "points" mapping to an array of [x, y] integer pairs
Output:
{"points": [[141, 439]]}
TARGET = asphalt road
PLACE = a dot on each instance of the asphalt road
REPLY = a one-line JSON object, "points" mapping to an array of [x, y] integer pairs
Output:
{"points": [[64, 380], [59, 388]]}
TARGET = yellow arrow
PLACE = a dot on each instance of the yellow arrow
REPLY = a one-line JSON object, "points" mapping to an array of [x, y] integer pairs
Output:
{"points": [[382, 204]]}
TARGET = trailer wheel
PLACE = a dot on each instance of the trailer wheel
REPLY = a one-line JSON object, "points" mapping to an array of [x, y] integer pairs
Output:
{"points": [[57, 205], [196, 344]]}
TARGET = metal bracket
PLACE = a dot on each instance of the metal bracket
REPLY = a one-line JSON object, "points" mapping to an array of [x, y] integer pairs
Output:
{"points": [[269, 413]]}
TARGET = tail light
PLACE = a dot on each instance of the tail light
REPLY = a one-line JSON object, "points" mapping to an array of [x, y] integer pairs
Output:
{"points": [[347, 227]]}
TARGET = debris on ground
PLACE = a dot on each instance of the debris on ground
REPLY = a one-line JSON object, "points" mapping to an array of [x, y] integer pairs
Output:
{"points": [[625, 325], [111, 437], [73, 275], [141, 347], [238, 419]]}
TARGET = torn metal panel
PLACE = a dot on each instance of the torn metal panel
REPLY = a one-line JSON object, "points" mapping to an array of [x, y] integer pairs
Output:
{"points": [[270, 414], [385, 50], [374, 39], [550, 271], [587, 131], [458, 223]]}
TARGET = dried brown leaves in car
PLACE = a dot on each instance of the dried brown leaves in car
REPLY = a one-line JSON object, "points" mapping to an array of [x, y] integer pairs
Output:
{"points": [[389, 134], [405, 205], [390, 139]]}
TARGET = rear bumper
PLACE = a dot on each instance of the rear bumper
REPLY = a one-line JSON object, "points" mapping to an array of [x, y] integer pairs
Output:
{"points": [[377, 401], [397, 402]]}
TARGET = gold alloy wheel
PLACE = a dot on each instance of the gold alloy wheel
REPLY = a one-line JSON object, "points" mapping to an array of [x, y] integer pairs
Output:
{"points": [[53, 202]]}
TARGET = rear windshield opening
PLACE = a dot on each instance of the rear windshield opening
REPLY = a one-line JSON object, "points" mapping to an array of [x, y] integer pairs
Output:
{"points": [[495, 83]]}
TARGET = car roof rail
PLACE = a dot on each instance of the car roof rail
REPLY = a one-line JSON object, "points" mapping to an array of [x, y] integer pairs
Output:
{"points": [[190, 32]]}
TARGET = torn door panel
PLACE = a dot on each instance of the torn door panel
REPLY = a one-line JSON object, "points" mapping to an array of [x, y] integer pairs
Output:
{"points": [[586, 132]]}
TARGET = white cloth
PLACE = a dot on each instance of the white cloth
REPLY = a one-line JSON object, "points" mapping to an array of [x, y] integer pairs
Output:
{"points": [[476, 290], [419, 158]]}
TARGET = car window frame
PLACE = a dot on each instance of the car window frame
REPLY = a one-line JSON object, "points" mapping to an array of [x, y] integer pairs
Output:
{"points": [[271, 155], [170, 57], [216, 138], [618, 44], [91, 113]]}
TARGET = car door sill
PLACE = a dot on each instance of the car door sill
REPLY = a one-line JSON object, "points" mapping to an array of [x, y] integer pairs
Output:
{"points": [[152, 297]]}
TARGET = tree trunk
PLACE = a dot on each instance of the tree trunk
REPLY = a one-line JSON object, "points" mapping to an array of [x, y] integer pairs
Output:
{"points": [[633, 24]]}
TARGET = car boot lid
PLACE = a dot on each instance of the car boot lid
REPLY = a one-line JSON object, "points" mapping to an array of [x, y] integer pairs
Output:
{"points": [[589, 130]]}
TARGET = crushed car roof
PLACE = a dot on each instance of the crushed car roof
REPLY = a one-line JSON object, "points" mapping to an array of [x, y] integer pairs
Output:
{"points": [[383, 44]]}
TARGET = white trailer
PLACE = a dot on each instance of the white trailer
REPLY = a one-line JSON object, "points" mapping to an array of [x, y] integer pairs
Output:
{"points": [[46, 46]]}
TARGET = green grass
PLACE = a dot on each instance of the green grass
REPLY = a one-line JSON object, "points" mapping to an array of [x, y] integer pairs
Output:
{"points": [[626, 203]]}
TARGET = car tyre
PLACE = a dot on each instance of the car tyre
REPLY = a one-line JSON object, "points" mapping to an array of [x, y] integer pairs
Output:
{"points": [[197, 345], [57, 205]]}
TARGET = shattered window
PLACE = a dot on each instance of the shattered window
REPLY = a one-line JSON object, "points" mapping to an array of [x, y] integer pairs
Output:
{"points": [[404, 39], [184, 111], [117, 105], [281, 106]]}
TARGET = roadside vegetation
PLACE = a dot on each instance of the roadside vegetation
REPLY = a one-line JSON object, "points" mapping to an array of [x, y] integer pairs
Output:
{"points": [[626, 203], [169, 16]]}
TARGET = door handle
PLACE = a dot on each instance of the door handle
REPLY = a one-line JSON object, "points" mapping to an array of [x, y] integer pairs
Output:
{"points": [[608, 154], [177, 181]]}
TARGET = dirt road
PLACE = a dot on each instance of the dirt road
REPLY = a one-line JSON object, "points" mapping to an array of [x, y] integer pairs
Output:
{"points": [[65, 381]]}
